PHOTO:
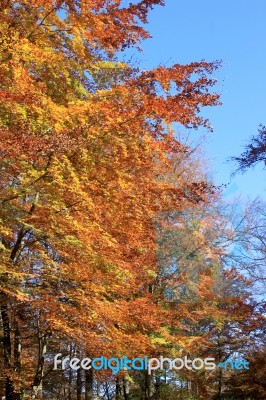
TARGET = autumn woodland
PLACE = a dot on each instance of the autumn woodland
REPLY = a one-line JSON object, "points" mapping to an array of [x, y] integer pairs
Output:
{"points": [[114, 242]]}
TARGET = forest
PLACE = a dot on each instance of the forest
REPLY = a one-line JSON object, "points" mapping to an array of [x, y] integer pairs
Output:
{"points": [[114, 240]]}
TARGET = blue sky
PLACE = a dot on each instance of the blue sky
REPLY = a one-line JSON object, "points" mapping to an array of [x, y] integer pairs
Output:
{"points": [[233, 31]]}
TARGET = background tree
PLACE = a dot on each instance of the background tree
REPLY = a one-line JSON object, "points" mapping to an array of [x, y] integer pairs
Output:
{"points": [[255, 151]]}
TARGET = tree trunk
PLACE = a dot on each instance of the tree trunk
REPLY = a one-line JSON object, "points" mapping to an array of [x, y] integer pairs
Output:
{"points": [[17, 357], [38, 379], [107, 391], [118, 392], [79, 384], [147, 386], [125, 390], [89, 385], [9, 388], [220, 374]]}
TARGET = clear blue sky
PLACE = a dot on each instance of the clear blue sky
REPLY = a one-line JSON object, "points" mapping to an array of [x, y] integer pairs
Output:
{"points": [[235, 32]]}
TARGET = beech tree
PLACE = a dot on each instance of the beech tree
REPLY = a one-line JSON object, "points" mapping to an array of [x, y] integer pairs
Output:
{"points": [[84, 137], [89, 165]]}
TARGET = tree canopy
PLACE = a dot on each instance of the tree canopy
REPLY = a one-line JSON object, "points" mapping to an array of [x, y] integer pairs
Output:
{"points": [[105, 215]]}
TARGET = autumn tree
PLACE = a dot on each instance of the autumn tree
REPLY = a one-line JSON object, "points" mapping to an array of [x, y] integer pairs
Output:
{"points": [[84, 138], [204, 256]]}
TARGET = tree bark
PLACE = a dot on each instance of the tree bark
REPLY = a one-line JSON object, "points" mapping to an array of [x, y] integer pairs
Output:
{"points": [[38, 379], [89, 385], [147, 386], [125, 390], [17, 357], [118, 393], [79, 384], [9, 388]]}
